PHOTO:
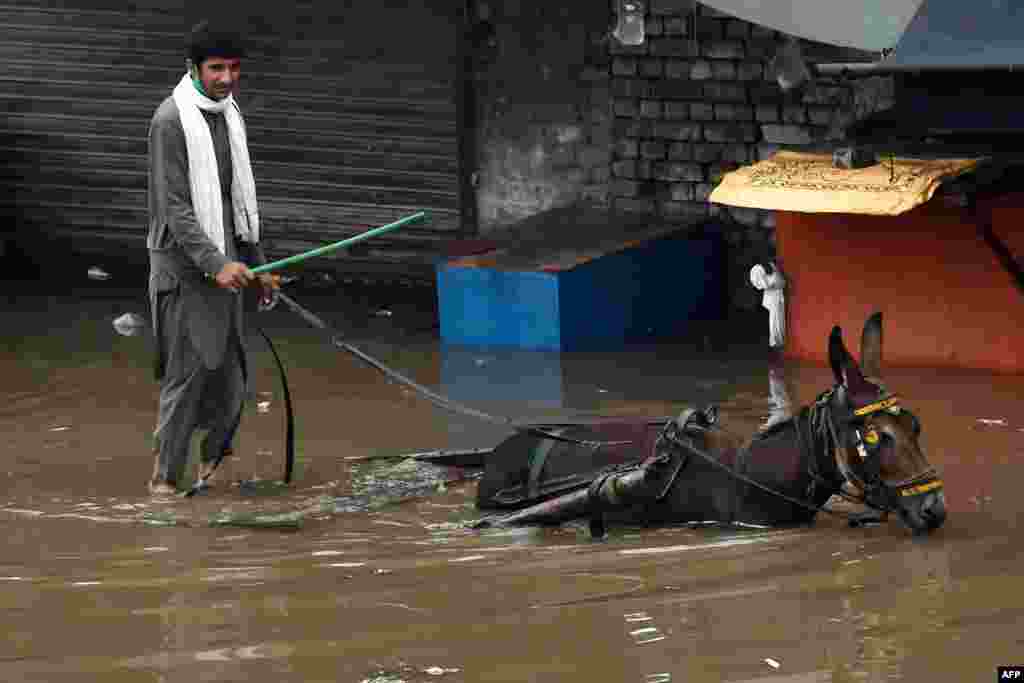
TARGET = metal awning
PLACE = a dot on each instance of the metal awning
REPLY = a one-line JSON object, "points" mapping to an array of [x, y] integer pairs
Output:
{"points": [[983, 33], [872, 25], [953, 35]]}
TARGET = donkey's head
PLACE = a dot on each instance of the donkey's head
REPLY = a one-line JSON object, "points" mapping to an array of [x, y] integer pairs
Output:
{"points": [[877, 450]]}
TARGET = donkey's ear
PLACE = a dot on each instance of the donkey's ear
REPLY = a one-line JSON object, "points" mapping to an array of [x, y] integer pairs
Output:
{"points": [[837, 353], [844, 367], [871, 346]]}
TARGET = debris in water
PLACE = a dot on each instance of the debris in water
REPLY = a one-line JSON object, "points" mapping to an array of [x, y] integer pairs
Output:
{"points": [[27, 513], [469, 558], [439, 671], [287, 520], [59, 429], [641, 631], [658, 678], [993, 423], [646, 634], [381, 571], [384, 678], [383, 313], [637, 616], [263, 407], [130, 324], [97, 273], [772, 663]]}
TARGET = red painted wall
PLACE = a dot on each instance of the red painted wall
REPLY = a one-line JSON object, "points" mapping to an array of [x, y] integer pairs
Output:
{"points": [[947, 300]]}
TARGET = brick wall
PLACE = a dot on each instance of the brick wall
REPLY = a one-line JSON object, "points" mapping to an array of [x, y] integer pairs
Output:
{"points": [[567, 114], [543, 108], [698, 99]]}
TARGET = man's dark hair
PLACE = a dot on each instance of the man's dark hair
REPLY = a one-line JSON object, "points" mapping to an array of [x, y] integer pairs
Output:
{"points": [[205, 41]]}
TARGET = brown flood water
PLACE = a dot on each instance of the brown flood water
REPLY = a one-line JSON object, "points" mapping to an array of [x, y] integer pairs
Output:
{"points": [[364, 572]]}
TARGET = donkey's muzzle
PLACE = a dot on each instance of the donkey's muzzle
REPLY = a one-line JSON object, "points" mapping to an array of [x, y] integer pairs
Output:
{"points": [[925, 512], [933, 509]]}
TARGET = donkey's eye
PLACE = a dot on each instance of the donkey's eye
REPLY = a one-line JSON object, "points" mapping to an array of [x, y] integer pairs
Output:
{"points": [[868, 442]]}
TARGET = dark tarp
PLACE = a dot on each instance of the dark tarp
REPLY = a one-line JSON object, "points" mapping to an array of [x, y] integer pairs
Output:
{"points": [[870, 25], [954, 33]]}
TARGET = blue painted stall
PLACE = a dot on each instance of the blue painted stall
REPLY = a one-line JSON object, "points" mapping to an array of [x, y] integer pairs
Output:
{"points": [[548, 292]]}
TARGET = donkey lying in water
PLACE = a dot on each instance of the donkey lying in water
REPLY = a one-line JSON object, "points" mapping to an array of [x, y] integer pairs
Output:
{"points": [[856, 435]]}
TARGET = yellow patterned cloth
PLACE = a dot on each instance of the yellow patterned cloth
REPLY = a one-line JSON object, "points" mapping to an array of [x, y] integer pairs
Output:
{"points": [[795, 181]]}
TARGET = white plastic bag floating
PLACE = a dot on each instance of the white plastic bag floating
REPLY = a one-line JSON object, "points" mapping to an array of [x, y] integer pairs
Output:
{"points": [[97, 273], [130, 324], [774, 299]]}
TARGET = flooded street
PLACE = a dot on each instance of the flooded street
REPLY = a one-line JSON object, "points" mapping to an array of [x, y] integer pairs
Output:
{"points": [[363, 570]]}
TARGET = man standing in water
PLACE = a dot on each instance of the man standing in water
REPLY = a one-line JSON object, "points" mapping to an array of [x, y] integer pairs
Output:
{"points": [[203, 223]]}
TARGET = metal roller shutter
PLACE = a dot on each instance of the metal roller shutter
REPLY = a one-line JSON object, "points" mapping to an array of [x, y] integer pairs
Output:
{"points": [[350, 109]]}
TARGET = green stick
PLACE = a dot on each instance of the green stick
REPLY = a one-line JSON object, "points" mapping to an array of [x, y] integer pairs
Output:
{"points": [[319, 251]]}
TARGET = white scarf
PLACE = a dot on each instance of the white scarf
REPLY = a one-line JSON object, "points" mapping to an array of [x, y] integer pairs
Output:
{"points": [[202, 165]]}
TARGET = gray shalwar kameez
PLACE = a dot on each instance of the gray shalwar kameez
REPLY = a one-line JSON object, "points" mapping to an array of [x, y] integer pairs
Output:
{"points": [[197, 326]]}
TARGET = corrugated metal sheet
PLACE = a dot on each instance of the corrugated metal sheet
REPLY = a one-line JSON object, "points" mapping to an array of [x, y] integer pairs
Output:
{"points": [[350, 109]]}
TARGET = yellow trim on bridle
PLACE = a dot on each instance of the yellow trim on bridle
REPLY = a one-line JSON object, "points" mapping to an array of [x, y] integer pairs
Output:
{"points": [[884, 404], [921, 488]]}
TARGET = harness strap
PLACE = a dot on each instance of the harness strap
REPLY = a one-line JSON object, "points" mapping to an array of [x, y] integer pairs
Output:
{"points": [[812, 464], [289, 438], [595, 507], [741, 465], [734, 473], [515, 495], [537, 462]]}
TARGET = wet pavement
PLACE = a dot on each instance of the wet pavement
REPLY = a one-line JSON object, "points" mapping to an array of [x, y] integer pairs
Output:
{"points": [[364, 571]]}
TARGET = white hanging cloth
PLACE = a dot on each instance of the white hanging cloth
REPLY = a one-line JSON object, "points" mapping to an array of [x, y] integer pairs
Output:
{"points": [[774, 299]]}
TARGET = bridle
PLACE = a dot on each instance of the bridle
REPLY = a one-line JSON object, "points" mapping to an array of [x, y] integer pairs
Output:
{"points": [[865, 473], [820, 423]]}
